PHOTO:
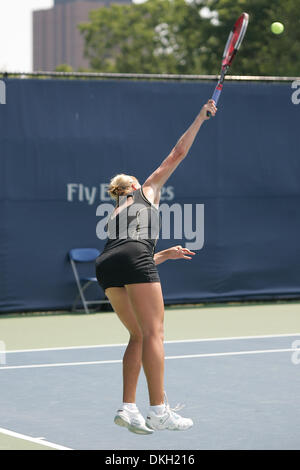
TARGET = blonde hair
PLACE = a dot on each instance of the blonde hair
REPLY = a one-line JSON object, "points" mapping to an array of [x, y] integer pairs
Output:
{"points": [[120, 185]]}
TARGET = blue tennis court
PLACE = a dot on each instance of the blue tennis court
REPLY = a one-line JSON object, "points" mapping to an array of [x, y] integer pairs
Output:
{"points": [[241, 392]]}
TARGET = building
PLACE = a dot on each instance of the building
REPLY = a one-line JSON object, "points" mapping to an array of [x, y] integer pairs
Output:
{"points": [[56, 38]]}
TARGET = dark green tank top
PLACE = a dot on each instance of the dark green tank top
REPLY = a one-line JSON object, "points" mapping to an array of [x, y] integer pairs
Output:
{"points": [[139, 221]]}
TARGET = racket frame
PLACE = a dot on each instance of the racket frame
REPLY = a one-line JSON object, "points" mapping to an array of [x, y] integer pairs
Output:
{"points": [[227, 61]]}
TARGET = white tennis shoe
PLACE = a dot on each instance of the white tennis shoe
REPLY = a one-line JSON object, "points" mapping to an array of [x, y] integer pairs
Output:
{"points": [[132, 420], [168, 420]]}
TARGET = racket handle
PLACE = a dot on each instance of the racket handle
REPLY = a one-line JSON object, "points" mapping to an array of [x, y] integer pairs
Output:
{"points": [[216, 96]]}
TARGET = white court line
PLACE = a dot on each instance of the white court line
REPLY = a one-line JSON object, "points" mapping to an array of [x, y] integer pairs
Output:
{"points": [[65, 348], [61, 364], [116, 361], [227, 338], [36, 440], [233, 353]]}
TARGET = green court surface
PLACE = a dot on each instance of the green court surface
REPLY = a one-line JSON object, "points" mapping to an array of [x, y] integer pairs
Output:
{"points": [[30, 331], [14, 443], [63, 329]]}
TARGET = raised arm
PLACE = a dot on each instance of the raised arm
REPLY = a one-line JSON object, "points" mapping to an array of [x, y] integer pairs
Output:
{"points": [[157, 179]]}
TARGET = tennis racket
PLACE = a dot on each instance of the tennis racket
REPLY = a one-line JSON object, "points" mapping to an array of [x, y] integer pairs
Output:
{"points": [[233, 43]]}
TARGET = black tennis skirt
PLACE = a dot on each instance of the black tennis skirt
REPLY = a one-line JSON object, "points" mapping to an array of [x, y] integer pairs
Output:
{"points": [[129, 263]]}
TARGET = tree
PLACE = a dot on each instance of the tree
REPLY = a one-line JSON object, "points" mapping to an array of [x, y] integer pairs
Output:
{"points": [[63, 68], [188, 37], [136, 38], [262, 52]]}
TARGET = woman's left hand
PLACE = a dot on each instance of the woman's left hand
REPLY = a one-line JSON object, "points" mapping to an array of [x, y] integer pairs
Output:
{"points": [[178, 252]]}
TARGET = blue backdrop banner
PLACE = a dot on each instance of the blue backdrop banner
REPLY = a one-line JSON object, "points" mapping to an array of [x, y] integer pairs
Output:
{"points": [[234, 200]]}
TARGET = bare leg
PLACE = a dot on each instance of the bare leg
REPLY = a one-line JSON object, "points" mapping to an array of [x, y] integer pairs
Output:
{"points": [[132, 359], [148, 305]]}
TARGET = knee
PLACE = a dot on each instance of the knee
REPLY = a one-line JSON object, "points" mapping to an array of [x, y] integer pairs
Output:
{"points": [[156, 332], [136, 336]]}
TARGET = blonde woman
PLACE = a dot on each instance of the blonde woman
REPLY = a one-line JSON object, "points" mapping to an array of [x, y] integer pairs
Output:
{"points": [[127, 272]]}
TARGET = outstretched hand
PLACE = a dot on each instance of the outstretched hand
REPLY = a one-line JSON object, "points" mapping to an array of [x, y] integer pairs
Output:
{"points": [[209, 106], [178, 252]]}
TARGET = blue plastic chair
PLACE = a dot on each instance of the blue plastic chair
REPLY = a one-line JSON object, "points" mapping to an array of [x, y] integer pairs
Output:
{"points": [[84, 255]]}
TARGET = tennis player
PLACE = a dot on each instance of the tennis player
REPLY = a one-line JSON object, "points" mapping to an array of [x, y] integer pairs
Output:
{"points": [[127, 272]]}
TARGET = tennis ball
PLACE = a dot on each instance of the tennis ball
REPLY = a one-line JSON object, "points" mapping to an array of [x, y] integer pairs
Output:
{"points": [[277, 28]]}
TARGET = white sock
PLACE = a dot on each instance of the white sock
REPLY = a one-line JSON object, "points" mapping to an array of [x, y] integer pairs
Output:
{"points": [[130, 406], [158, 409]]}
